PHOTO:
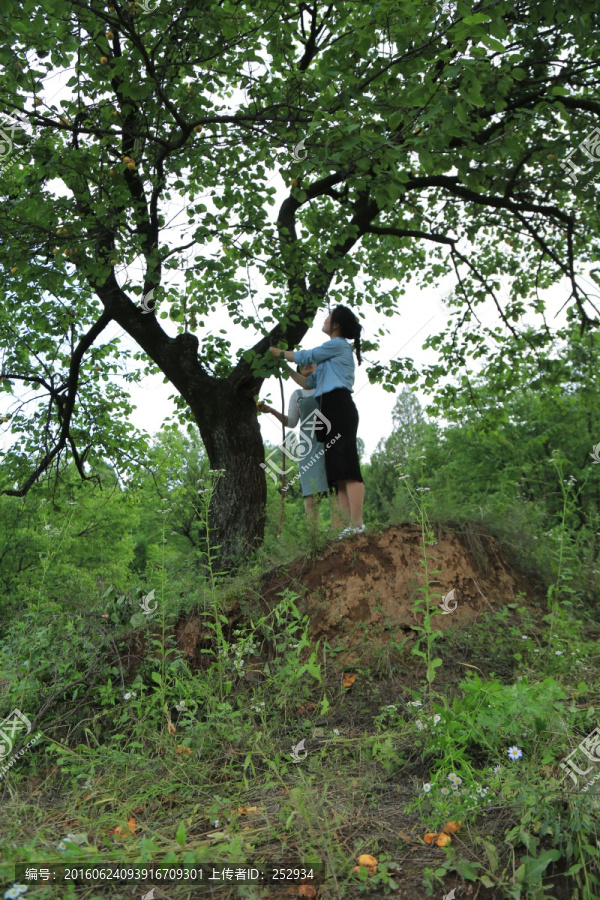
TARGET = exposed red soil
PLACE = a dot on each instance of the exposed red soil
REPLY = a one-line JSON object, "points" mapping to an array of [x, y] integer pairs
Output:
{"points": [[370, 581]]}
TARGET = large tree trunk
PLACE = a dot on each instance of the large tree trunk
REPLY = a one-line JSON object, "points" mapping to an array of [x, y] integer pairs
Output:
{"points": [[229, 429], [225, 412]]}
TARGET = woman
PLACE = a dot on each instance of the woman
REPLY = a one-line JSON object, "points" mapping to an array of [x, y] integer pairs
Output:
{"points": [[333, 381], [313, 477]]}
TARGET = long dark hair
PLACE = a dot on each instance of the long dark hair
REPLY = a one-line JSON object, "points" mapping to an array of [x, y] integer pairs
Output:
{"points": [[349, 326]]}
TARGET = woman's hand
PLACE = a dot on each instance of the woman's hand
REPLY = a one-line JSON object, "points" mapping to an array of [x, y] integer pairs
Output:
{"points": [[276, 352]]}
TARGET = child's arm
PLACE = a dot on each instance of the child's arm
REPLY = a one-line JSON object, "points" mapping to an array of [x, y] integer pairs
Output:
{"points": [[264, 408], [296, 376]]}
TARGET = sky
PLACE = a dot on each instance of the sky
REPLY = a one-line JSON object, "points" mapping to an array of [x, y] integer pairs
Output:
{"points": [[422, 312]]}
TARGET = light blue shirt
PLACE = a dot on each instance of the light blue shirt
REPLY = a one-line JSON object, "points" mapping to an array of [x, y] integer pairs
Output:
{"points": [[335, 365]]}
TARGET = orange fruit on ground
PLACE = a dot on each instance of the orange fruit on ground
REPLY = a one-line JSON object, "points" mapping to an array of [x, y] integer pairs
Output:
{"points": [[370, 869], [367, 860], [307, 890], [451, 827], [443, 840], [430, 837]]}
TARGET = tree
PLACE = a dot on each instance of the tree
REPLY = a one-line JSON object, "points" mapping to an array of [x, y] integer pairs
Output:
{"points": [[390, 459], [65, 542], [414, 127]]}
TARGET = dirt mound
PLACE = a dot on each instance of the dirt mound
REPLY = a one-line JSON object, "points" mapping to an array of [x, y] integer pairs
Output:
{"points": [[368, 583]]}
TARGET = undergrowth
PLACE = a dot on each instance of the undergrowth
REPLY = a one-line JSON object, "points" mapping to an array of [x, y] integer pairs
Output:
{"points": [[268, 753]]}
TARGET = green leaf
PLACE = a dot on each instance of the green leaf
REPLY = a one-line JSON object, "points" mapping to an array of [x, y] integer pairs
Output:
{"points": [[477, 19], [467, 869], [492, 855], [180, 835], [535, 868], [461, 113]]}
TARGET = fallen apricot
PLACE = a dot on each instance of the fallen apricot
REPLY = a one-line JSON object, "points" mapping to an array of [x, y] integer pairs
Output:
{"points": [[430, 837], [451, 827], [366, 860], [443, 840]]}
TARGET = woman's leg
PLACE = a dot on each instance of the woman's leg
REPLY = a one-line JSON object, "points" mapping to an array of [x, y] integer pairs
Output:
{"points": [[343, 506], [311, 509], [354, 492], [334, 505]]}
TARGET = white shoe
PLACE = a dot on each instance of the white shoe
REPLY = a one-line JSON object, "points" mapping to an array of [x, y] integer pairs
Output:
{"points": [[350, 530]]}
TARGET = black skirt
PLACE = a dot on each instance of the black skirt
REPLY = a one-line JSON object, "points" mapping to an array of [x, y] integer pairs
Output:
{"points": [[341, 456]]}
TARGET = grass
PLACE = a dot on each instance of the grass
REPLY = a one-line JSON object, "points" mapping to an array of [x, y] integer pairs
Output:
{"points": [[196, 767]]}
